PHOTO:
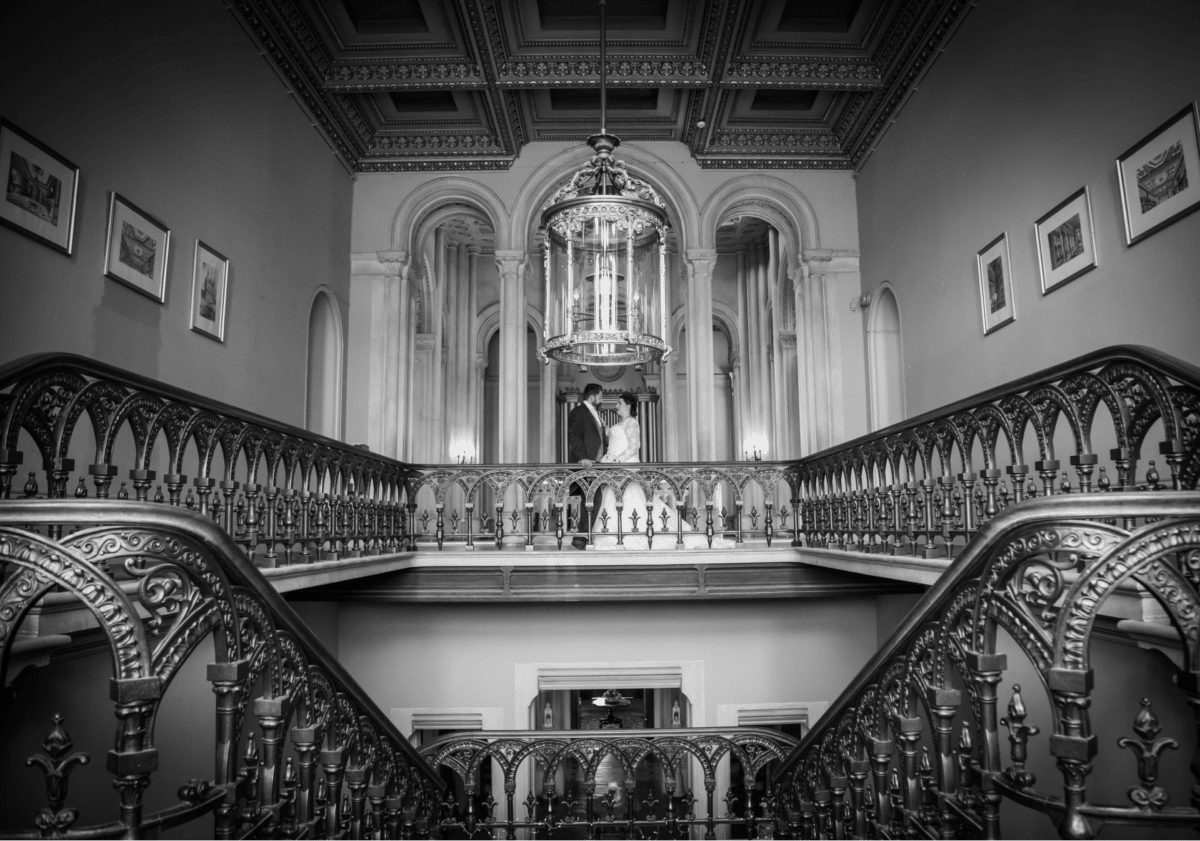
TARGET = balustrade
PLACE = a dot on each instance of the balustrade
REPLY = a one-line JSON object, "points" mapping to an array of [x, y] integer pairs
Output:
{"points": [[284, 495], [1025, 597], [897, 491], [159, 583], [664, 783]]}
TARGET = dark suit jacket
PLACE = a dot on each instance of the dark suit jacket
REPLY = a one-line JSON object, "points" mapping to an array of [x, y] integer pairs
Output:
{"points": [[584, 436]]}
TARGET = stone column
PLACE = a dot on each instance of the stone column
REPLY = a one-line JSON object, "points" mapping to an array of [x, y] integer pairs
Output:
{"points": [[742, 411], [408, 418], [549, 403], [777, 397], [470, 365], [754, 376], [700, 263], [436, 413], [762, 306], [668, 375], [513, 386]]}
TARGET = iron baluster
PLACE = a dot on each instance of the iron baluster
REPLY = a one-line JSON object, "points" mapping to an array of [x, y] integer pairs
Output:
{"points": [[1047, 469], [499, 524], [528, 525]]}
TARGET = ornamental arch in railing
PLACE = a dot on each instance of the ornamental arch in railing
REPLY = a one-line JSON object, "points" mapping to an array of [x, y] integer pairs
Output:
{"points": [[914, 745], [297, 748]]}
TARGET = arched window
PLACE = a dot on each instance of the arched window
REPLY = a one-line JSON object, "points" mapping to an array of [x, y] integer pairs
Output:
{"points": [[323, 411], [886, 359]]}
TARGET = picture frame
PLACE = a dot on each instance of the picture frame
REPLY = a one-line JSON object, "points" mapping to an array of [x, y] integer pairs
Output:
{"points": [[1066, 241], [41, 189], [1159, 176], [994, 268], [137, 247], [210, 287]]}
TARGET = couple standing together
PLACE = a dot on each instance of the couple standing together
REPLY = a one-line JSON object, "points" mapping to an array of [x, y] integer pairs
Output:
{"points": [[586, 445]]}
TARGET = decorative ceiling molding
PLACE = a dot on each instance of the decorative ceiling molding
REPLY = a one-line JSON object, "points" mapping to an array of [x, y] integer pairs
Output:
{"points": [[495, 58]]}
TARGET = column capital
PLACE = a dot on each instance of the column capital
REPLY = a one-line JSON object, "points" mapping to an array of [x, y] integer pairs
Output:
{"points": [[395, 263], [700, 264], [511, 262]]}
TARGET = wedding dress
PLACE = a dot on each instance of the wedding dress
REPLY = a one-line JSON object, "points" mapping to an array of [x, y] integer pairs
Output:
{"points": [[624, 444]]}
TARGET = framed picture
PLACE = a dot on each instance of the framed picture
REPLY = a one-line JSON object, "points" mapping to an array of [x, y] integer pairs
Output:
{"points": [[995, 284], [1066, 241], [40, 189], [1160, 176], [136, 248], [210, 282]]}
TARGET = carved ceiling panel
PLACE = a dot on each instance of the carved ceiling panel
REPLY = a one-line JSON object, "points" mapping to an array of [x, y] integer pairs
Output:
{"points": [[462, 85]]}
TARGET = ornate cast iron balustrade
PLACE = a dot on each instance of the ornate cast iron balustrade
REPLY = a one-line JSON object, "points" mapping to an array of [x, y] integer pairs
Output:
{"points": [[688, 505], [287, 496], [299, 751], [897, 490], [283, 494], [912, 748], [608, 784]]}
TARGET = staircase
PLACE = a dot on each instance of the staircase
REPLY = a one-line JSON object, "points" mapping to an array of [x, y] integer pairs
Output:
{"points": [[155, 598]]}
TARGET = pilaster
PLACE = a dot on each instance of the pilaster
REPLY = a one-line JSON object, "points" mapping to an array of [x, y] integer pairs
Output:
{"points": [[700, 265], [513, 385]]}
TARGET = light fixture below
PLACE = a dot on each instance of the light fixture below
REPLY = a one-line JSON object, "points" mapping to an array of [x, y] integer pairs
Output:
{"points": [[605, 260]]}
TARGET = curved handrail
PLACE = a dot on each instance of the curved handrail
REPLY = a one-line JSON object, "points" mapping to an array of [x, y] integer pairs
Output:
{"points": [[956, 620], [17, 369], [175, 552], [1167, 364]]}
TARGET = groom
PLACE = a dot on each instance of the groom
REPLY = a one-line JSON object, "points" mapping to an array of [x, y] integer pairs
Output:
{"points": [[585, 444]]}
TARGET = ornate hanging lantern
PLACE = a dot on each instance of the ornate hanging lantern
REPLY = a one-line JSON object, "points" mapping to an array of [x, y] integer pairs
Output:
{"points": [[605, 260]]}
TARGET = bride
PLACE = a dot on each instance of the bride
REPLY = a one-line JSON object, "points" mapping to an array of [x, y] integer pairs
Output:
{"points": [[624, 445]]}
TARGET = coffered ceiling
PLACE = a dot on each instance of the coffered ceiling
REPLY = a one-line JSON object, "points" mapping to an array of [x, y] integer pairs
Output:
{"points": [[400, 85]]}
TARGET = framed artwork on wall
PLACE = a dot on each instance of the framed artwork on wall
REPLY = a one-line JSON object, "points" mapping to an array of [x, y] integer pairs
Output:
{"points": [[210, 283], [1160, 176], [1066, 241], [995, 284], [136, 248], [40, 189]]}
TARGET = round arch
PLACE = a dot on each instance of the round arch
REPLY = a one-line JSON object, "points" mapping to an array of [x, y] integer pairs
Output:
{"points": [[489, 324], [775, 201], [431, 196], [885, 358], [681, 203], [438, 215], [725, 318], [323, 397]]}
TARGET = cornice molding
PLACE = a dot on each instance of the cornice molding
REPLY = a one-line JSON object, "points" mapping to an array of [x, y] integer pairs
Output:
{"points": [[336, 83]]}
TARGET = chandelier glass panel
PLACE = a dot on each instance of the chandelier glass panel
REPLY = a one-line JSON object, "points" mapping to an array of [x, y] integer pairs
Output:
{"points": [[606, 275]]}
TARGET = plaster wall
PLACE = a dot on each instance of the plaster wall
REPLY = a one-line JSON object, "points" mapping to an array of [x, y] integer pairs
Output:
{"points": [[176, 111], [431, 655], [1029, 102]]}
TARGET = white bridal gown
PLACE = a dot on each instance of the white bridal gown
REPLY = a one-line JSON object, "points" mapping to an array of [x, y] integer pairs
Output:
{"points": [[624, 443]]}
